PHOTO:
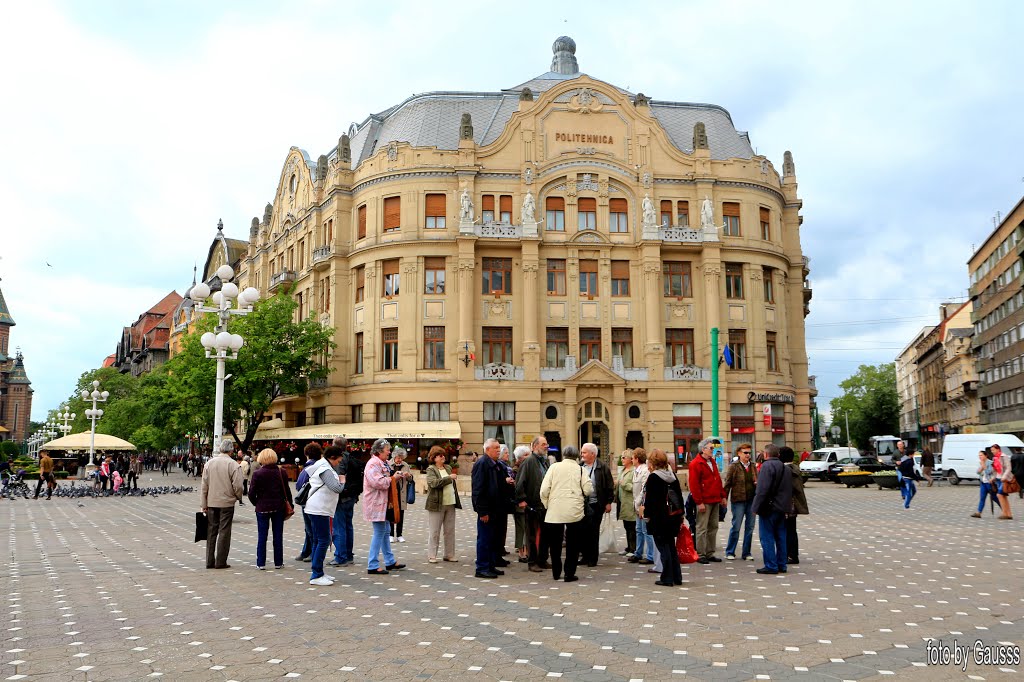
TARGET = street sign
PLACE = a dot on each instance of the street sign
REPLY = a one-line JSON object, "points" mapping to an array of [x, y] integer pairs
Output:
{"points": [[767, 412], [836, 431]]}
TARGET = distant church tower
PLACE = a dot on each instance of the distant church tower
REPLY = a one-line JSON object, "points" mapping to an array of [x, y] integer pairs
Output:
{"points": [[15, 388]]}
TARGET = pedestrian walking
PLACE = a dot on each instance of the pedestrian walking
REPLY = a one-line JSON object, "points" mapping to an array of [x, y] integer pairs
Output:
{"points": [[46, 476], [1003, 466], [134, 470], [987, 482], [246, 466], [927, 465], [221, 488], [905, 470], [272, 499]]}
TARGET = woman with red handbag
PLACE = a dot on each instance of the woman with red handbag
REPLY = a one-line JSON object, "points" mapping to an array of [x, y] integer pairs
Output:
{"points": [[270, 494]]}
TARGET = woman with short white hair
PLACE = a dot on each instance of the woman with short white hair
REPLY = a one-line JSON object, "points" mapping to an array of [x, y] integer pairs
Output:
{"points": [[403, 479]]}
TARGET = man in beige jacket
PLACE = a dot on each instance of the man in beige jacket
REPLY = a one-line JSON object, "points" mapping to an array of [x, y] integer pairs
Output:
{"points": [[222, 487]]}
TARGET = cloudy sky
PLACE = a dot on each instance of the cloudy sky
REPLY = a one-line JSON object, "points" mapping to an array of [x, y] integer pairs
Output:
{"points": [[129, 128]]}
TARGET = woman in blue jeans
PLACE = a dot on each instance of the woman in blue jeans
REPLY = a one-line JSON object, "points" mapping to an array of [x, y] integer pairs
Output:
{"points": [[269, 494], [740, 485], [989, 482], [320, 506]]}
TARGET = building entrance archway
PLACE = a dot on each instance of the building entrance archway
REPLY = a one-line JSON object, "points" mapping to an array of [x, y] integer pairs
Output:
{"points": [[592, 417]]}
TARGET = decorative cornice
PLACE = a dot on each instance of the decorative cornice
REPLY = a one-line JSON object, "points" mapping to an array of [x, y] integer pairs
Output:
{"points": [[395, 177]]}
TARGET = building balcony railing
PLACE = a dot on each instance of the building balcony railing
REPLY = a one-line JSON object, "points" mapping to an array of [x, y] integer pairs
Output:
{"points": [[280, 278], [318, 384], [807, 265], [499, 231], [628, 373], [500, 371], [321, 257], [812, 382], [687, 373], [680, 234], [560, 373]]}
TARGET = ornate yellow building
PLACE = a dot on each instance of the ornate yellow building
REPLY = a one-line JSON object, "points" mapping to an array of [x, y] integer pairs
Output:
{"points": [[547, 259]]}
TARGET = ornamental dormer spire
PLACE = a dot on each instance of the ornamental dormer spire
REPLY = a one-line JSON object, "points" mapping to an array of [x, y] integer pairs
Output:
{"points": [[564, 61]]}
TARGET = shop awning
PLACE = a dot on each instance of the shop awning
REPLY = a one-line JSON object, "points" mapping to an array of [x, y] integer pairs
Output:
{"points": [[366, 430], [80, 442]]}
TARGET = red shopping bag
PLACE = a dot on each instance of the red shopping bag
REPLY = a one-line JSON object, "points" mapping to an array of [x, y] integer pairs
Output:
{"points": [[684, 547]]}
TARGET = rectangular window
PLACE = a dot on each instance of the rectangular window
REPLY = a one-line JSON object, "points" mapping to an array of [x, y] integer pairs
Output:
{"points": [[500, 422], [391, 277], [773, 356], [437, 210], [359, 354], [620, 278], [676, 277], [769, 285], [587, 212], [666, 213], [433, 277], [766, 228], [556, 277], [557, 343], [302, 254], [554, 210], [487, 208], [433, 348], [389, 348], [733, 280], [505, 209], [738, 344], [622, 345], [588, 278], [319, 415], [357, 414], [496, 345], [678, 347], [497, 275], [360, 283], [683, 213], [392, 214], [618, 215], [731, 213], [434, 412], [590, 345], [389, 412], [329, 233]]}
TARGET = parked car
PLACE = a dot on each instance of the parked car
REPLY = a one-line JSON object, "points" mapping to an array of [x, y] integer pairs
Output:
{"points": [[868, 464]]}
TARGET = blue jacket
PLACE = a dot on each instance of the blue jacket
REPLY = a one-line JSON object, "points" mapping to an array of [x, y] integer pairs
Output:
{"points": [[304, 474]]}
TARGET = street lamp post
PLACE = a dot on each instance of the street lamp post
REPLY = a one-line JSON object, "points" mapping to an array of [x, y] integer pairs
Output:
{"points": [[220, 343], [92, 415], [65, 428]]}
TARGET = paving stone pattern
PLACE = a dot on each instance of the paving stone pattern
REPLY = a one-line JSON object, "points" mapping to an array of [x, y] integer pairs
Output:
{"points": [[116, 590]]}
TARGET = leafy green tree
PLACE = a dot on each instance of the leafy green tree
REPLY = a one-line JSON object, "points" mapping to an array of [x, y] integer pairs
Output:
{"points": [[280, 357], [871, 402]]}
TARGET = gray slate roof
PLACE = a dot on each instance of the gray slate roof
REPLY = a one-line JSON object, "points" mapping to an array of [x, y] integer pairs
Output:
{"points": [[432, 120]]}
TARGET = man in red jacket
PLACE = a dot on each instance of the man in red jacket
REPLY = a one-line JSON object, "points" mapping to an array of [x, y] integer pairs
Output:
{"points": [[708, 494]]}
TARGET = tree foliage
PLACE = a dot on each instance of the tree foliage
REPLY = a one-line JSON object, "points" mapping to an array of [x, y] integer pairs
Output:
{"points": [[279, 357], [870, 401]]}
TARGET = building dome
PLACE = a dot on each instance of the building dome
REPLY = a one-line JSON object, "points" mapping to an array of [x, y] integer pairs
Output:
{"points": [[564, 61], [564, 44]]}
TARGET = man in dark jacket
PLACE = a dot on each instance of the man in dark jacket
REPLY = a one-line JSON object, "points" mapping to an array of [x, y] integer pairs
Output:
{"points": [[491, 502], [350, 470], [772, 501], [597, 504], [797, 506], [528, 480]]}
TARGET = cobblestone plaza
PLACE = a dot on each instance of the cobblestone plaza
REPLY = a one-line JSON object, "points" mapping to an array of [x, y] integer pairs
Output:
{"points": [[115, 589]]}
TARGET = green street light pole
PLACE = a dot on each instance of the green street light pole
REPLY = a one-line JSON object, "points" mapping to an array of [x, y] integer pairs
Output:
{"points": [[714, 382]]}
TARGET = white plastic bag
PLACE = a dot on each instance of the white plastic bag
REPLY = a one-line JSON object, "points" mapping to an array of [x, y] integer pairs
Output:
{"points": [[606, 543]]}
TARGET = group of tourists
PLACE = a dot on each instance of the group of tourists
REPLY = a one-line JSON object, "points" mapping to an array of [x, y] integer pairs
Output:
{"points": [[997, 481]]}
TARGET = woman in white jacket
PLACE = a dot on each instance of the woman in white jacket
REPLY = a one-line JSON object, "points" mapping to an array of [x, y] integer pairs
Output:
{"points": [[563, 492]]}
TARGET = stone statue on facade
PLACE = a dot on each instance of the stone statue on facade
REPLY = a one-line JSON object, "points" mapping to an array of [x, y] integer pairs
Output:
{"points": [[466, 127], [268, 212], [641, 100], [707, 213], [526, 95], [788, 167], [321, 168], [345, 149], [650, 216], [465, 207], [529, 209]]}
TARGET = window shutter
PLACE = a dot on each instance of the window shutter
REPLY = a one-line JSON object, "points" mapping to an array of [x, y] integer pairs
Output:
{"points": [[392, 213], [555, 203], [683, 207], [487, 204], [505, 203], [666, 206], [764, 215], [620, 269], [588, 205], [436, 205], [362, 222], [433, 263], [588, 266], [617, 206], [390, 267], [731, 209]]}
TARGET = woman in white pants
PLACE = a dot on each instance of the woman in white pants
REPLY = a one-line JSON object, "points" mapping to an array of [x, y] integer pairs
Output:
{"points": [[442, 501]]}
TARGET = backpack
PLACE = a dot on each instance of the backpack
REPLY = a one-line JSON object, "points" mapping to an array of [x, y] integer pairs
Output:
{"points": [[674, 501], [353, 477]]}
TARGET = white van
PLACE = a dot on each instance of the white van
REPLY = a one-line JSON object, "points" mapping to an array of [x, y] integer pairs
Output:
{"points": [[960, 453], [816, 466]]}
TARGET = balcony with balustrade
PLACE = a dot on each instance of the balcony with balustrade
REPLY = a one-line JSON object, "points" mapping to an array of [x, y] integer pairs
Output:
{"points": [[321, 257], [279, 278]]}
